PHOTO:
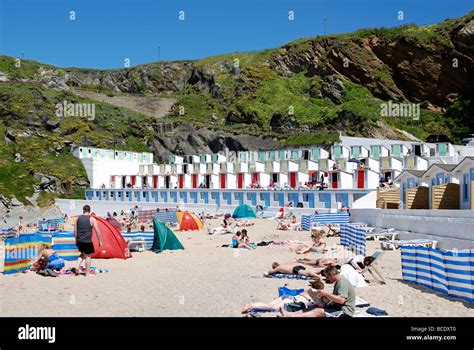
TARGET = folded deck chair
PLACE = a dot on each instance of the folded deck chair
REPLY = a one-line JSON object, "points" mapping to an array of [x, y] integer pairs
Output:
{"points": [[396, 244], [377, 234], [372, 269]]}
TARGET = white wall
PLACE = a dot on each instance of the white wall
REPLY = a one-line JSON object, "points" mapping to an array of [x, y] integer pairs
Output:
{"points": [[99, 171], [451, 228]]}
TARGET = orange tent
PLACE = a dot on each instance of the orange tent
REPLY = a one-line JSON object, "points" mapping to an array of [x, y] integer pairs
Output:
{"points": [[189, 221]]}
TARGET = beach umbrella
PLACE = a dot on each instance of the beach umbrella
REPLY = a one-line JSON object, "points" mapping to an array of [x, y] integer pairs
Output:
{"points": [[244, 211], [189, 221]]}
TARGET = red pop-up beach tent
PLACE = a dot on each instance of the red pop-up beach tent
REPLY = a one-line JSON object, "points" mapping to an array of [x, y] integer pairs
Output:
{"points": [[113, 243]]}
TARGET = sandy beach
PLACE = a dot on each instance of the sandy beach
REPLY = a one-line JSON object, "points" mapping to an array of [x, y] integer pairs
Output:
{"points": [[206, 280]]}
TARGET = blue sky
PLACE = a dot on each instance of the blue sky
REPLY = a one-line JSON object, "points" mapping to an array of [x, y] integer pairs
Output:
{"points": [[106, 32]]}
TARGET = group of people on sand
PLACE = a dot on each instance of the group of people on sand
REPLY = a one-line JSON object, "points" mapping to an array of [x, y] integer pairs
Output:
{"points": [[314, 301], [86, 226]]}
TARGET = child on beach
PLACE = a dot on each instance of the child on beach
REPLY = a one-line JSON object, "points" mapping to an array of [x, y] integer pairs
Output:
{"points": [[47, 259]]}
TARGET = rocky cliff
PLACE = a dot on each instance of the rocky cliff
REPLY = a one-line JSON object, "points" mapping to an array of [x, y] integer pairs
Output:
{"points": [[305, 92]]}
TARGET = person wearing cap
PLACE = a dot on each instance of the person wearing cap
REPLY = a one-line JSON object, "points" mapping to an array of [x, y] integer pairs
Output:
{"points": [[342, 298]]}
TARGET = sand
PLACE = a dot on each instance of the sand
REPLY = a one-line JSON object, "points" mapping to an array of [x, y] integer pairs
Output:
{"points": [[203, 280]]}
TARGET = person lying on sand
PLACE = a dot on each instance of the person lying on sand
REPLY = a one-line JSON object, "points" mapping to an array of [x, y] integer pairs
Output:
{"points": [[324, 262], [244, 223], [219, 230], [291, 269], [310, 298], [47, 259], [342, 298]]}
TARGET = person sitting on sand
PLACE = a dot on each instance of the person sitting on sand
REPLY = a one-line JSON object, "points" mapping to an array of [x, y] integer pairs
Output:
{"points": [[239, 241], [291, 269], [283, 225], [47, 259], [318, 242], [343, 298], [310, 298]]}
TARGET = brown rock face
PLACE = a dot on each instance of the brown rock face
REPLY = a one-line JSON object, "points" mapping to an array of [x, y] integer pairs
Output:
{"points": [[437, 69]]}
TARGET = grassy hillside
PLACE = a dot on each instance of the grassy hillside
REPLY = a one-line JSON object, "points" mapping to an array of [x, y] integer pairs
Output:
{"points": [[299, 94]]}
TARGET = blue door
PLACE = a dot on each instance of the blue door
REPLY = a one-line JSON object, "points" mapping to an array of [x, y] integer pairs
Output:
{"points": [[281, 199], [266, 197], [253, 196], [311, 200]]}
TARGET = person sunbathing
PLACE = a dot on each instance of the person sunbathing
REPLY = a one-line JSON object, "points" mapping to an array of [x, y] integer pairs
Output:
{"points": [[47, 259], [324, 262], [308, 299], [291, 269], [343, 299]]}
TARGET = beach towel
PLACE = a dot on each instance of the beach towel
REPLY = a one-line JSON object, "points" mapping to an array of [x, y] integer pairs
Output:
{"points": [[284, 291], [288, 276], [376, 312]]}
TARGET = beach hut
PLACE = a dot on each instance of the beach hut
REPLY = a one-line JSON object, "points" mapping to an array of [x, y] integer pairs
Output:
{"points": [[196, 180], [227, 180], [113, 244], [164, 238], [399, 150], [414, 162], [189, 221], [244, 211], [359, 152], [243, 179], [377, 151], [367, 178], [339, 151], [340, 179], [465, 171]]}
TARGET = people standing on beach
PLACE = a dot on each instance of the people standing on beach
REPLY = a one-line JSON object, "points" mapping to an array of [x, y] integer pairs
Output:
{"points": [[20, 228], [85, 227], [343, 298]]}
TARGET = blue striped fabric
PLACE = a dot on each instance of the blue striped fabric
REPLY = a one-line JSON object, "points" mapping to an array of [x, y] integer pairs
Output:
{"points": [[20, 250], [64, 243], [45, 225], [447, 272], [353, 238], [139, 236], [307, 221], [167, 216]]}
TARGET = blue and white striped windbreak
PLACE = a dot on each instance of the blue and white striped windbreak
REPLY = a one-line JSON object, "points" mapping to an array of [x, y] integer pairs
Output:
{"points": [[353, 238], [307, 221], [140, 236], [448, 272]]}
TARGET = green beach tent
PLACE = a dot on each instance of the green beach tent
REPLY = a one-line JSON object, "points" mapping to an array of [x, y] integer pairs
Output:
{"points": [[164, 238], [244, 211]]}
